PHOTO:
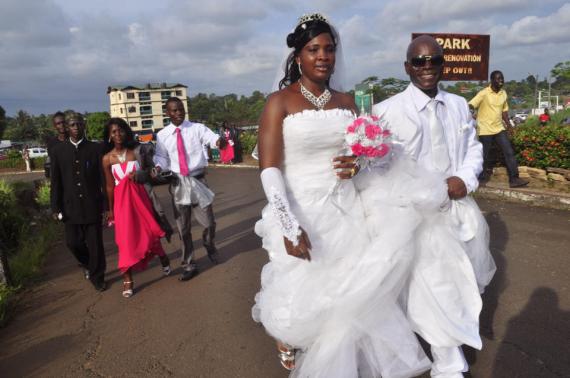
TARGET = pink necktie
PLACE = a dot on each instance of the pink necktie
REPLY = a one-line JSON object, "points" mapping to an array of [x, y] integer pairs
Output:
{"points": [[181, 153]]}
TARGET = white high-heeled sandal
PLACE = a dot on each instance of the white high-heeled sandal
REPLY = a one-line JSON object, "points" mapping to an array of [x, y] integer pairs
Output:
{"points": [[286, 356], [127, 293]]}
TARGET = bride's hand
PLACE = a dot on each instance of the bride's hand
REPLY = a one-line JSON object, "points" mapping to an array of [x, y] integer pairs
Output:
{"points": [[345, 167], [303, 248]]}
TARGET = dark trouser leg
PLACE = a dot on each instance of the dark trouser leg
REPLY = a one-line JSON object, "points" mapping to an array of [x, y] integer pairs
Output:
{"points": [[183, 217], [487, 142], [75, 241], [503, 141], [205, 217], [97, 264]]}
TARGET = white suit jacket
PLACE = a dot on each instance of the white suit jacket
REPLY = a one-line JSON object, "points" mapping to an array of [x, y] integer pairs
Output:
{"points": [[406, 118]]}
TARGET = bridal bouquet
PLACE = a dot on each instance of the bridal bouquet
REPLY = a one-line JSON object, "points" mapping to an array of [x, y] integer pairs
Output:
{"points": [[369, 139]]}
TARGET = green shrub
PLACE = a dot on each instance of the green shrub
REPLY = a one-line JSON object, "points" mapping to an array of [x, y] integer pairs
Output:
{"points": [[5, 295], [38, 163], [11, 222], [13, 163], [7, 195], [248, 141], [542, 147], [43, 195], [26, 264]]}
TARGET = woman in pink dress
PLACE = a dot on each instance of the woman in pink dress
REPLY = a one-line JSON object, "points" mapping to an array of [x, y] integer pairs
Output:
{"points": [[137, 233], [227, 153]]}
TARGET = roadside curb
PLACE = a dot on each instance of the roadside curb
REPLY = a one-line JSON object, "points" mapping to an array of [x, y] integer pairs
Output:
{"points": [[529, 196], [20, 172], [233, 166]]}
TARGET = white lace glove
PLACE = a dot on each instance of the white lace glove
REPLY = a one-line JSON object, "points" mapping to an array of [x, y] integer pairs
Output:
{"points": [[274, 187]]}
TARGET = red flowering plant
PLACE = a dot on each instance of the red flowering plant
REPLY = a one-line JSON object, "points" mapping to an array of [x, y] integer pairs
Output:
{"points": [[370, 140]]}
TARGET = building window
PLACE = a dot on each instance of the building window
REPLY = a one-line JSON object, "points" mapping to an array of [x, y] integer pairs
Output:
{"points": [[119, 96], [147, 123], [166, 121], [144, 96], [132, 109], [130, 96], [165, 95], [178, 92], [146, 110], [163, 109], [121, 110], [133, 123]]}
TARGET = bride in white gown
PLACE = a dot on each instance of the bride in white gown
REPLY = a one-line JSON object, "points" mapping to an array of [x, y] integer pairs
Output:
{"points": [[329, 293]]}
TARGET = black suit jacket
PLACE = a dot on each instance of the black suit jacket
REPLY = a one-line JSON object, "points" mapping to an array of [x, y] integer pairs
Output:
{"points": [[76, 182]]}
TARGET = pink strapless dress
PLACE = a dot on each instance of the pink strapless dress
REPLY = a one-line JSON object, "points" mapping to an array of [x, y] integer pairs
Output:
{"points": [[137, 233]]}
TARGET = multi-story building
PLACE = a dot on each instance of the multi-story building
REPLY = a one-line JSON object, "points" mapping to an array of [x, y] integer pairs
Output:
{"points": [[144, 106]]}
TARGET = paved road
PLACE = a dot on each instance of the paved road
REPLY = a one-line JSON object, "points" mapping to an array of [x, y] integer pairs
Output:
{"points": [[203, 328]]}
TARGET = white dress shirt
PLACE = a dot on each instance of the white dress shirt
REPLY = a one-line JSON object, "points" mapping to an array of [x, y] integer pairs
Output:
{"points": [[408, 118], [194, 135]]}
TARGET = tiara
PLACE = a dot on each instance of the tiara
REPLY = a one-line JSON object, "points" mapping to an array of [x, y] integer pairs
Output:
{"points": [[311, 17]]}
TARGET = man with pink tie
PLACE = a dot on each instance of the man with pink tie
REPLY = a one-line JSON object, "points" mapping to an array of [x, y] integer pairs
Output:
{"points": [[179, 148]]}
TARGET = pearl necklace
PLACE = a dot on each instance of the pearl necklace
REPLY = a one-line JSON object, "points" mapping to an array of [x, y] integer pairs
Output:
{"points": [[318, 102]]}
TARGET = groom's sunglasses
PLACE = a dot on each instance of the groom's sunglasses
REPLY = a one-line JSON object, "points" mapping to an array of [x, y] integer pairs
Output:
{"points": [[421, 60]]}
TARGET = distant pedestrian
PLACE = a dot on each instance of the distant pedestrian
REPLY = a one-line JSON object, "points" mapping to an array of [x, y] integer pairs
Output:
{"points": [[492, 117], [544, 118], [227, 154], [26, 157]]}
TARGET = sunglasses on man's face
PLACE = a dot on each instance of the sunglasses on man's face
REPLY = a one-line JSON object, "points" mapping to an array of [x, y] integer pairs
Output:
{"points": [[421, 60]]}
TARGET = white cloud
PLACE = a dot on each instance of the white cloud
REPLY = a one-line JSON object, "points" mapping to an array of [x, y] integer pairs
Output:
{"points": [[225, 46], [532, 30]]}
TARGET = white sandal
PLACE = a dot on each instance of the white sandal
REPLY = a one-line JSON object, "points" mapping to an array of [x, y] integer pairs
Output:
{"points": [[286, 356], [127, 293]]}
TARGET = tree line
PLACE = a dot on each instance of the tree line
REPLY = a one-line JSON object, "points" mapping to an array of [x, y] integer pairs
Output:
{"points": [[212, 109]]}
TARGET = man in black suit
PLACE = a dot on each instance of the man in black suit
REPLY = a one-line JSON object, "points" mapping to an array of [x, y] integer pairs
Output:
{"points": [[77, 198]]}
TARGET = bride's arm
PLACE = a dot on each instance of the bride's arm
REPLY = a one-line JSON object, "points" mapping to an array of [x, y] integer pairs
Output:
{"points": [[270, 144]]}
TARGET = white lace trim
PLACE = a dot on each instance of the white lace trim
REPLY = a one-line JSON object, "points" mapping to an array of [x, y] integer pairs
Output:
{"points": [[280, 208], [321, 114]]}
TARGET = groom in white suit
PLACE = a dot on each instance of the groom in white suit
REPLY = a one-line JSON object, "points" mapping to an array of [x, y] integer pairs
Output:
{"points": [[436, 130]]}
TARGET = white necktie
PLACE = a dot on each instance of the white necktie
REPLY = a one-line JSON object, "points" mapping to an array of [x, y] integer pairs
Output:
{"points": [[439, 151]]}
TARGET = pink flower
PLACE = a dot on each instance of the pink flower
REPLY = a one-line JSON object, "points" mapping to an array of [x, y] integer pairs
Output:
{"points": [[372, 131], [382, 150], [351, 129], [357, 149], [359, 121], [375, 118], [386, 133]]}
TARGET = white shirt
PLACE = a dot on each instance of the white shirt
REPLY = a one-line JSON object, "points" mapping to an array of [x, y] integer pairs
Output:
{"points": [[408, 118], [194, 136]]}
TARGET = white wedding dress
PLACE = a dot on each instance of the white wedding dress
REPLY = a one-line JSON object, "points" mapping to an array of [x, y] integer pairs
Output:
{"points": [[341, 309]]}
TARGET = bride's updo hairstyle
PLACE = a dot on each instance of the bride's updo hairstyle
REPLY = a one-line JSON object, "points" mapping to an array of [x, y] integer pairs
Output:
{"points": [[308, 27]]}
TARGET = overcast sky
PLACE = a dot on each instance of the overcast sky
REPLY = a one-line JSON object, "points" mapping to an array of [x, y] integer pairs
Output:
{"points": [[62, 54]]}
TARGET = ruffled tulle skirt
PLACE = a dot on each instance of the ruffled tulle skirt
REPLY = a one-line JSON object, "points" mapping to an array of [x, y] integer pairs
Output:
{"points": [[341, 309]]}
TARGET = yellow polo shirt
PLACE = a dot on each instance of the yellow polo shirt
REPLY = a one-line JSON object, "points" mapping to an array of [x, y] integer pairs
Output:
{"points": [[490, 105]]}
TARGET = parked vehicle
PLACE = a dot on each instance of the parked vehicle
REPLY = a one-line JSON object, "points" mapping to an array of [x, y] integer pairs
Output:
{"points": [[37, 152], [520, 117]]}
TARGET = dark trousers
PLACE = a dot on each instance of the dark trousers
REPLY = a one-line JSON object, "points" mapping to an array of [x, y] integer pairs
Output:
{"points": [[85, 241], [183, 217], [502, 140]]}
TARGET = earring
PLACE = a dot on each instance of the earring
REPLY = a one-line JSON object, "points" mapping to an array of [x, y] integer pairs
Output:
{"points": [[300, 71], [109, 139]]}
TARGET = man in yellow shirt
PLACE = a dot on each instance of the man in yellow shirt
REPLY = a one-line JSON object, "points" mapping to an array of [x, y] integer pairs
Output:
{"points": [[492, 106]]}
